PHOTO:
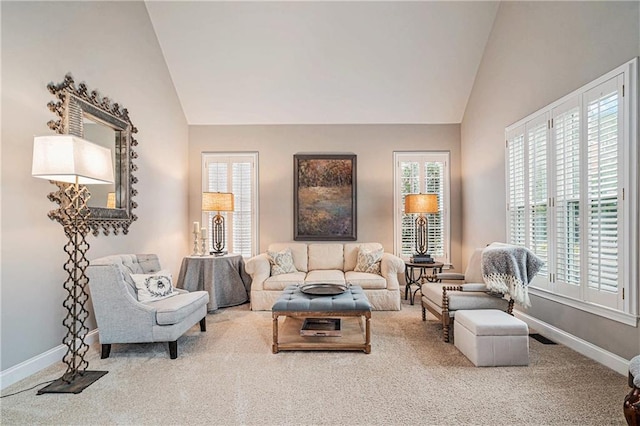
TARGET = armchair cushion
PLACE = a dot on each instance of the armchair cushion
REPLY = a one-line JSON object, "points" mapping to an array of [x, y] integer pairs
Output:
{"points": [[154, 286], [175, 309], [459, 300]]}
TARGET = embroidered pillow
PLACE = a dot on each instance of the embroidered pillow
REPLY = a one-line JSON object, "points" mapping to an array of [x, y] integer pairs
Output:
{"points": [[281, 262], [369, 260], [155, 286]]}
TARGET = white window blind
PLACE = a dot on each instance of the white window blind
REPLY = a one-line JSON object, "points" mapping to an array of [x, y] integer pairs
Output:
{"points": [[422, 172], [602, 165], [569, 166], [566, 135], [235, 173]]}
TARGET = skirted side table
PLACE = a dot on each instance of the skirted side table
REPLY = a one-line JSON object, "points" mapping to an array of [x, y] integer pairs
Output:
{"points": [[224, 277]]}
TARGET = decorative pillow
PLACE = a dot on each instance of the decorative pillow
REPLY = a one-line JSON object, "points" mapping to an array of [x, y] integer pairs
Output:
{"points": [[369, 260], [281, 262], [155, 286]]}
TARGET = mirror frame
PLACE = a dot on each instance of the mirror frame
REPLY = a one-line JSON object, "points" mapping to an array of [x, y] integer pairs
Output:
{"points": [[75, 103]]}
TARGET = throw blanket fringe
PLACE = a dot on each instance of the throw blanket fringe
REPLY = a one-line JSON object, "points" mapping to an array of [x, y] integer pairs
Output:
{"points": [[508, 269]]}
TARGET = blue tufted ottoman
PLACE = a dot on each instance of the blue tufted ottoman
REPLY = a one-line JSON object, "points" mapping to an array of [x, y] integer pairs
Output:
{"points": [[294, 303]]}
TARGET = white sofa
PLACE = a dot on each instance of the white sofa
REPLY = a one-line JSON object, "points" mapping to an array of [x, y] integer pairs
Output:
{"points": [[326, 263]]}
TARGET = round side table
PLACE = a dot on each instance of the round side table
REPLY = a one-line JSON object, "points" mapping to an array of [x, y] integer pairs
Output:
{"points": [[423, 276]]}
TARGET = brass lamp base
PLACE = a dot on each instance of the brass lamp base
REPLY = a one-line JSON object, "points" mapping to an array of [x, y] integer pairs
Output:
{"points": [[77, 385]]}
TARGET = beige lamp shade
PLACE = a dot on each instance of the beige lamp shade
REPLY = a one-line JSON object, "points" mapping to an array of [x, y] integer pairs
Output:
{"points": [[217, 202], [70, 159], [421, 203]]}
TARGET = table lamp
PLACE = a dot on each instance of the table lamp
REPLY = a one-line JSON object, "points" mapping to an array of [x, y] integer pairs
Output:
{"points": [[421, 204], [217, 202]]}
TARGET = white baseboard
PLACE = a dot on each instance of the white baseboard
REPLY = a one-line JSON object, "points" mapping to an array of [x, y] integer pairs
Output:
{"points": [[596, 353], [40, 362]]}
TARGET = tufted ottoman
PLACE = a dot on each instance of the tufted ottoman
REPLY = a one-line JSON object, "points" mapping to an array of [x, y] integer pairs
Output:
{"points": [[293, 303], [490, 337]]}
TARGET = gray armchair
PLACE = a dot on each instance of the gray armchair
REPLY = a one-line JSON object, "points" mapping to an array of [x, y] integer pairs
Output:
{"points": [[444, 299], [122, 318]]}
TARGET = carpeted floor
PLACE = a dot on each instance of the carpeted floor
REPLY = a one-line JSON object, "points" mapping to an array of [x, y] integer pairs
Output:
{"points": [[228, 376]]}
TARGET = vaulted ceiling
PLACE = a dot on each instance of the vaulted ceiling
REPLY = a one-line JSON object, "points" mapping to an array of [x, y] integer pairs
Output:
{"points": [[322, 62]]}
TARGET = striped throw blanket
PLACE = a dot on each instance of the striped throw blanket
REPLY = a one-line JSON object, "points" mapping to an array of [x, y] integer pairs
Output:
{"points": [[509, 269]]}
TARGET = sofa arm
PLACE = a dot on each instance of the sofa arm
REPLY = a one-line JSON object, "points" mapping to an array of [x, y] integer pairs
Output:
{"points": [[390, 267], [259, 269]]}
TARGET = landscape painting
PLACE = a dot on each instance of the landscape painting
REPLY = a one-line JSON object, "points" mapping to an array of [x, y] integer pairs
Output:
{"points": [[324, 197]]}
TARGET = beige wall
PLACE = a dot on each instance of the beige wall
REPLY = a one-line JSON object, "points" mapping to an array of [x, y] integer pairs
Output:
{"points": [[111, 46], [373, 145], [537, 53]]}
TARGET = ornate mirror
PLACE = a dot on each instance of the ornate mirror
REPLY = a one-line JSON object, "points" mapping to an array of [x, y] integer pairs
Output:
{"points": [[94, 118]]}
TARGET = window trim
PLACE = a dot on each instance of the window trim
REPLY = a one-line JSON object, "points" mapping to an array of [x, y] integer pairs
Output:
{"points": [[630, 272], [397, 205], [255, 217]]}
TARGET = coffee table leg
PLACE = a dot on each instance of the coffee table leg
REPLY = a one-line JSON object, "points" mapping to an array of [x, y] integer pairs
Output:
{"points": [[367, 334], [274, 347]]}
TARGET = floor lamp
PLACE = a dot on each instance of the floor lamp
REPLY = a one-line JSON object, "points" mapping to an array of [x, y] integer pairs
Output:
{"points": [[67, 159], [217, 202], [421, 204]]}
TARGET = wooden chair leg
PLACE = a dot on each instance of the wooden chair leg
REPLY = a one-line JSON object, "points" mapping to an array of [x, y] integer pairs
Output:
{"points": [[445, 326], [173, 349], [106, 350], [424, 313], [203, 324]]}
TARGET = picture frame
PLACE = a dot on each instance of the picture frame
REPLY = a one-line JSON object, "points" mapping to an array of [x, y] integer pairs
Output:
{"points": [[324, 197]]}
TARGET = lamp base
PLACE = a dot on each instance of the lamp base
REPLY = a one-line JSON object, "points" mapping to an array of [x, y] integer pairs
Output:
{"points": [[218, 253], [422, 258], [80, 383]]}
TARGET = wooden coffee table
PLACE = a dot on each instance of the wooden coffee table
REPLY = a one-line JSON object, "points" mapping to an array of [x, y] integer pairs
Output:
{"points": [[295, 306]]}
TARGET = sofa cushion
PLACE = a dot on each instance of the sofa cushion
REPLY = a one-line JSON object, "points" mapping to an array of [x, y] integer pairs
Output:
{"points": [[365, 280], [462, 299], [281, 262], [154, 286], [351, 253], [175, 309], [326, 256], [298, 252], [279, 282], [331, 276], [369, 260]]}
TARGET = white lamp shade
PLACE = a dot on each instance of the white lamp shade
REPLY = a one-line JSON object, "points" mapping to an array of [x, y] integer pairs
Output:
{"points": [[421, 203], [67, 158], [217, 201]]}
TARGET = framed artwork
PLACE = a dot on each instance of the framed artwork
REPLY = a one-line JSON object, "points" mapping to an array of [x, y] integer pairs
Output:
{"points": [[324, 197]]}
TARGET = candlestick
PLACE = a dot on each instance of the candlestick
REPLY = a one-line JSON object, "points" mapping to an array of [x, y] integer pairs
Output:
{"points": [[195, 243], [203, 241]]}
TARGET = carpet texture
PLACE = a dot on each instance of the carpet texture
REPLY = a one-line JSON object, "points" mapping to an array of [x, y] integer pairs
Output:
{"points": [[228, 376]]}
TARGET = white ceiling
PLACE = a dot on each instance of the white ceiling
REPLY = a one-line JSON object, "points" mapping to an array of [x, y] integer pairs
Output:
{"points": [[322, 62]]}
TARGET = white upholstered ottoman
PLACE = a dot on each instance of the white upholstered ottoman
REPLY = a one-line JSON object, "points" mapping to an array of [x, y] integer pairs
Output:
{"points": [[489, 337]]}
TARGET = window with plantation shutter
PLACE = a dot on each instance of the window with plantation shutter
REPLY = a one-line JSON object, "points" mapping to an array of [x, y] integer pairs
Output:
{"points": [[235, 173], [573, 167], [426, 173]]}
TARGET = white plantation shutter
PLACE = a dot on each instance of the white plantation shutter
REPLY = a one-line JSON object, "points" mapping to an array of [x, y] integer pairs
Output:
{"points": [[516, 193], [537, 138], [566, 136], [603, 213], [235, 173], [576, 177], [422, 172]]}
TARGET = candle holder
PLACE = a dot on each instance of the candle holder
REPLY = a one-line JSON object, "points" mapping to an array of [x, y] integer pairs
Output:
{"points": [[195, 244], [203, 245]]}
